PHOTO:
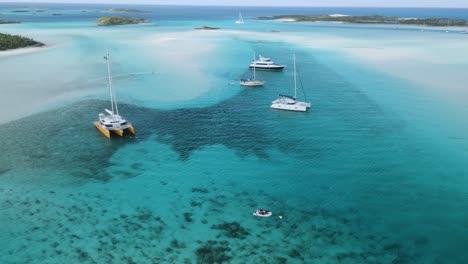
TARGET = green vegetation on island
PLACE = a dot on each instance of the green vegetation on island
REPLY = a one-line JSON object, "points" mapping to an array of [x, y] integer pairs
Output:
{"points": [[8, 22], [126, 10], [439, 22], [118, 20], [207, 28], [8, 42]]}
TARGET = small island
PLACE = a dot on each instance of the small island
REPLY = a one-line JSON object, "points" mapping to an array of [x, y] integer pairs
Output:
{"points": [[126, 10], [8, 42], [439, 22], [206, 28], [8, 22], [118, 20]]}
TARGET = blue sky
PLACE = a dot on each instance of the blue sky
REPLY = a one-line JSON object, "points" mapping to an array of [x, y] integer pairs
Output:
{"points": [[360, 3]]}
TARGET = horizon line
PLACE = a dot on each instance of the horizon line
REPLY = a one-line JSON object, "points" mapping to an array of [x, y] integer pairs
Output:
{"points": [[210, 5]]}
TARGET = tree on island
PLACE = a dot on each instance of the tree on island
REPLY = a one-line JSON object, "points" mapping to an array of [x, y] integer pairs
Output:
{"points": [[8, 22], [8, 42], [119, 20]]}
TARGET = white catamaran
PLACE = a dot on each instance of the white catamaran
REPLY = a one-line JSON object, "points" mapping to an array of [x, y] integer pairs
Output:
{"points": [[240, 20], [113, 121], [252, 82], [287, 102]]}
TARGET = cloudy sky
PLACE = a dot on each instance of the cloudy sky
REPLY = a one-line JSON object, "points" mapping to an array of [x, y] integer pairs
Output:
{"points": [[360, 3]]}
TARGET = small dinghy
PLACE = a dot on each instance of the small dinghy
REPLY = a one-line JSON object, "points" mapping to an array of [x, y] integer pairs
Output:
{"points": [[262, 213]]}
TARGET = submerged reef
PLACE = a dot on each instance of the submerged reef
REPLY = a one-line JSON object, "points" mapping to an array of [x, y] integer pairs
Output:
{"points": [[8, 42], [199, 190], [232, 230], [85, 229], [439, 22], [119, 20], [213, 252]]}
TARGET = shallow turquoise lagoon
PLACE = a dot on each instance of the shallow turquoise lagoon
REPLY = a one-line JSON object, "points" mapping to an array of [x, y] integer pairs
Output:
{"points": [[375, 172]]}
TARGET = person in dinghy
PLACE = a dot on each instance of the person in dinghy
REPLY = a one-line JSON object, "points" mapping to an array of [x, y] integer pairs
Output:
{"points": [[262, 213]]}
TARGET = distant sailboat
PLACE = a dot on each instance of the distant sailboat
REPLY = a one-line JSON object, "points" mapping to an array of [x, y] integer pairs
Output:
{"points": [[112, 121], [240, 20], [287, 102], [252, 81]]}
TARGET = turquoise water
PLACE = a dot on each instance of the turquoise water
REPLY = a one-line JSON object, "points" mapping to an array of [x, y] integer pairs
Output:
{"points": [[374, 173]]}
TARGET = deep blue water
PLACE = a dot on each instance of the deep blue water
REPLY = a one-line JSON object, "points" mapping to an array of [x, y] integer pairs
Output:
{"points": [[375, 172]]}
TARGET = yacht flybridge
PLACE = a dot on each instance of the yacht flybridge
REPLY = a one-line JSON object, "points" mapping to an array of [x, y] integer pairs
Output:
{"points": [[252, 82], [265, 64], [287, 102], [112, 121]]}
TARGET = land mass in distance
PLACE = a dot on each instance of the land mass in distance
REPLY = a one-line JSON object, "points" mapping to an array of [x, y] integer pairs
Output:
{"points": [[439, 22], [119, 20], [8, 42], [126, 10], [8, 22]]}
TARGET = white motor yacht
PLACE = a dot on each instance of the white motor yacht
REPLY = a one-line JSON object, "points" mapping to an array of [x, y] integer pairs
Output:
{"points": [[264, 63]]}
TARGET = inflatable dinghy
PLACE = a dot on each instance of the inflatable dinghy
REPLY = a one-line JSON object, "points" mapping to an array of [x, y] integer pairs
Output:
{"points": [[262, 213]]}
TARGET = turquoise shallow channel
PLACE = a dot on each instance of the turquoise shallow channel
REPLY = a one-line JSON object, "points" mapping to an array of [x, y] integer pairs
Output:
{"points": [[374, 172]]}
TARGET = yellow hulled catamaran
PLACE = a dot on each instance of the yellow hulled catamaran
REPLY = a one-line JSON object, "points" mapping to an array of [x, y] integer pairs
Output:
{"points": [[113, 121]]}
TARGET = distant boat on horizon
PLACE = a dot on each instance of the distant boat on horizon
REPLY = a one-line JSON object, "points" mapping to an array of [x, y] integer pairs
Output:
{"points": [[113, 121], [240, 20]]}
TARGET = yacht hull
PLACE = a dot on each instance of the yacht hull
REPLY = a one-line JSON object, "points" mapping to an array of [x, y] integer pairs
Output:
{"points": [[118, 132], [298, 107], [107, 132], [252, 83], [271, 68], [103, 131]]}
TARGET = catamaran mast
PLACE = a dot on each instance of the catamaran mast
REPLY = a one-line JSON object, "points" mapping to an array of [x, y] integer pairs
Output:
{"points": [[295, 83], [112, 94]]}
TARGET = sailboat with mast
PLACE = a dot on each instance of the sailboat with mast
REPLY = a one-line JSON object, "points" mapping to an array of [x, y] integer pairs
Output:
{"points": [[113, 121], [240, 20], [252, 82], [290, 103]]}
